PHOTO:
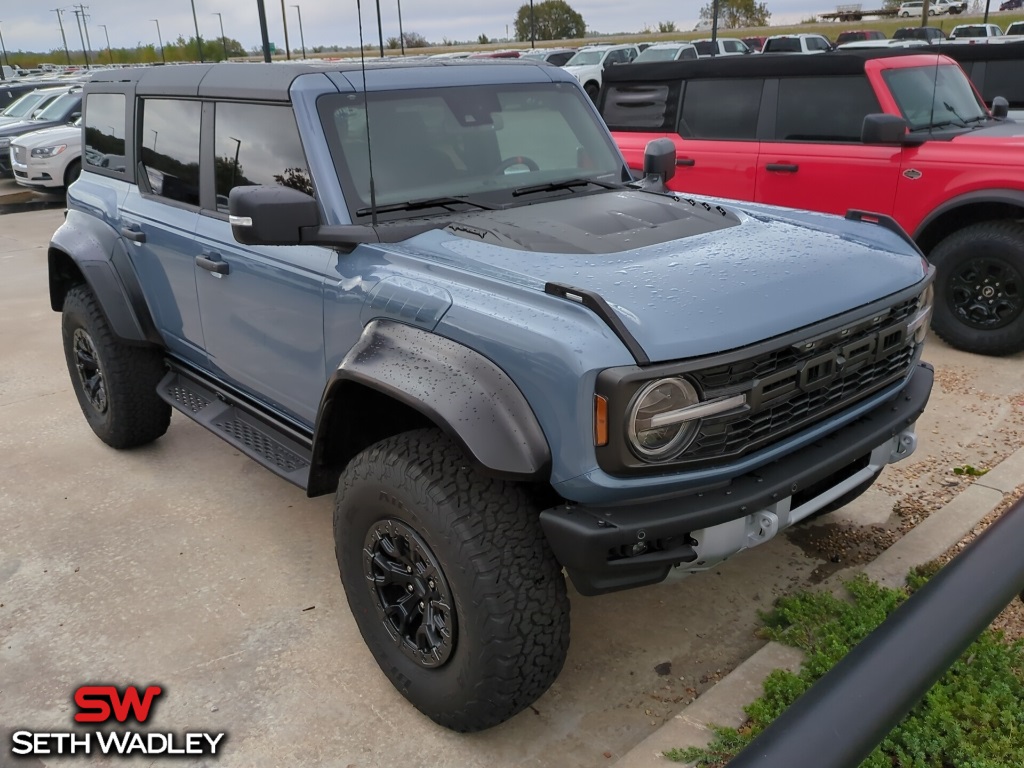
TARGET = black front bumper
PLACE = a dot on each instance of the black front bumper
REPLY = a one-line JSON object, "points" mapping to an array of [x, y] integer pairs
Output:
{"points": [[594, 543]]}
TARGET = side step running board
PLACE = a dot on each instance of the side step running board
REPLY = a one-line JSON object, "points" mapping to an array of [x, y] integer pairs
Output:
{"points": [[255, 436]]}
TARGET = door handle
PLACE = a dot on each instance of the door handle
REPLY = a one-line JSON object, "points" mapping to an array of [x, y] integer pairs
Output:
{"points": [[134, 233], [212, 262], [685, 162], [783, 167]]}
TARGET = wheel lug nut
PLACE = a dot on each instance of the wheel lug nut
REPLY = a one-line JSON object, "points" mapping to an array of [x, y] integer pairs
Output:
{"points": [[409, 587], [430, 583], [408, 569], [422, 606]]}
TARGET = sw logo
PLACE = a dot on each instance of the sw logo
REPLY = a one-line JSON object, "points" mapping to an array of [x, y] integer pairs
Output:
{"points": [[109, 704]]}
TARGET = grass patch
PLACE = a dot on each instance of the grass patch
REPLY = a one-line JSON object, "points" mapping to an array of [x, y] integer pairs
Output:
{"points": [[974, 715]]}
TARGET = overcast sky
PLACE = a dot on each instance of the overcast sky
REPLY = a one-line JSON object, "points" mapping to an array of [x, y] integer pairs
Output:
{"points": [[27, 25]]}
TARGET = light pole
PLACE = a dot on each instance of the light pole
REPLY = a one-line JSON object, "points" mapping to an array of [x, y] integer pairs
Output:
{"points": [[262, 10], [110, 55], [63, 37], [302, 37], [199, 40], [380, 31], [284, 20], [85, 26], [401, 34], [533, 31], [160, 40], [223, 40]]}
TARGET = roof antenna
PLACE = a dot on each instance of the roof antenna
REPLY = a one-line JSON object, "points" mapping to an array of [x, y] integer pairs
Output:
{"points": [[366, 116]]}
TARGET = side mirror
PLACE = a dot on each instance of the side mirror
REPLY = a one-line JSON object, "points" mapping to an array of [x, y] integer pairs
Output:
{"points": [[659, 164], [1000, 107], [883, 129], [74, 116], [271, 215]]}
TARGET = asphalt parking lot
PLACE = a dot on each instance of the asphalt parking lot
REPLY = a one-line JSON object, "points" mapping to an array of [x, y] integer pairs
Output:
{"points": [[186, 565]]}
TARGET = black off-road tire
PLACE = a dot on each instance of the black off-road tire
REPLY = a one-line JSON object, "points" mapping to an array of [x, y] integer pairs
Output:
{"points": [[479, 552], [980, 270], [593, 90], [72, 172], [115, 383]]}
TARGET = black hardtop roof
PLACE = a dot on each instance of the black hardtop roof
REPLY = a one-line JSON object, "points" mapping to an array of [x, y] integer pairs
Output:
{"points": [[758, 65], [256, 80]]}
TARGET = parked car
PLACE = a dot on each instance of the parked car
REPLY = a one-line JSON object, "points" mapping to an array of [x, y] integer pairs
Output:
{"points": [[554, 56], [952, 7], [755, 44], [1012, 5], [928, 34], [1016, 28], [667, 52], [905, 133], [589, 63], [454, 351], [802, 43], [28, 104], [50, 158], [857, 35], [973, 31], [916, 8], [64, 109], [723, 46]]}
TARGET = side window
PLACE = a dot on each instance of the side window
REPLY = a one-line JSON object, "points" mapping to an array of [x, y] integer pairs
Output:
{"points": [[256, 144], [1002, 78], [104, 131], [721, 109], [169, 148], [616, 57], [734, 46], [688, 54], [823, 108]]}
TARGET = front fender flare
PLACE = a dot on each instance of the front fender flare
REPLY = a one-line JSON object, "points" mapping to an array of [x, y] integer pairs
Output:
{"points": [[459, 390], [1005, 196]]}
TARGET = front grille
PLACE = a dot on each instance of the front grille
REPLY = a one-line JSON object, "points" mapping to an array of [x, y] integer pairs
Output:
{"points": [[794, 386], [20, 154]]}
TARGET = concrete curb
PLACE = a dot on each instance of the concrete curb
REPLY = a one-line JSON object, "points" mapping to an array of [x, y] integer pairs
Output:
{"points": [[723, 704]]}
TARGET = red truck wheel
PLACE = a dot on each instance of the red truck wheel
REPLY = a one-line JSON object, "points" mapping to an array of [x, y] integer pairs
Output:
{"points": [[979, 291]]}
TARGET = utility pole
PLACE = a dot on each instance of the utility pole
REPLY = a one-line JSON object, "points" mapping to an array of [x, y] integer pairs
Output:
{"points": [[78, 19], [160, 39], [263, 30], [60, 21], [302, 37], [199, 40], [3, 49], [401, 34], [109, 53], [223, 40], [714, 28], [533, 28], [380, 30], [284, 20], [85, 26]]}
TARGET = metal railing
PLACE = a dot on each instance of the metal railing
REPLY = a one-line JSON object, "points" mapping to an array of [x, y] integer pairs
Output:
{"points": [[845, 714]]}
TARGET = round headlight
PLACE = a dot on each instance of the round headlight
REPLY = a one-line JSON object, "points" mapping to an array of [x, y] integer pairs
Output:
{"points": [[655, 441]]}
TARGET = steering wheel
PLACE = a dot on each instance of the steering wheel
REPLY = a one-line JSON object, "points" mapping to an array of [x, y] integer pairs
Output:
{"points": [[511, 162]]}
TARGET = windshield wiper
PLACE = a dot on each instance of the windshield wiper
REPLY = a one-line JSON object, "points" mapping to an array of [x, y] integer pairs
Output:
{"points": [[553, 186], [427, 202]]}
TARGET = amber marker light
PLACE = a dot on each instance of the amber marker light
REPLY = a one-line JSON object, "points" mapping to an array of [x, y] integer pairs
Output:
{"points": [[600, 420]]}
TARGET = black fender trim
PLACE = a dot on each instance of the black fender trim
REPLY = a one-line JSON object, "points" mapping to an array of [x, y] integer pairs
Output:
{"points": [[1005, 196], [456, 388], [107, 269]]}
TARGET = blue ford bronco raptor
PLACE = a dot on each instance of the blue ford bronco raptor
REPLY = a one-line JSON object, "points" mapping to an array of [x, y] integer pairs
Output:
{"points": [[436, 291]]}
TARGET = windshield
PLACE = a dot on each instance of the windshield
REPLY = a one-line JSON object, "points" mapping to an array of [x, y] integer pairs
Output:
{"points": [[934, 96], [657, 54], [1017, 28], [59, 107], [585, 58], [24, 105], [476, 142], [970, 31]]}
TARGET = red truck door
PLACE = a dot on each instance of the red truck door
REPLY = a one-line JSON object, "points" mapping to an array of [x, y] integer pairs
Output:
{"points": [[816, 160]]}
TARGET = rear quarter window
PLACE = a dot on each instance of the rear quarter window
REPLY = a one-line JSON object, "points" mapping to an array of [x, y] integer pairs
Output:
{"points": [[641, 106], [104, 132]]}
